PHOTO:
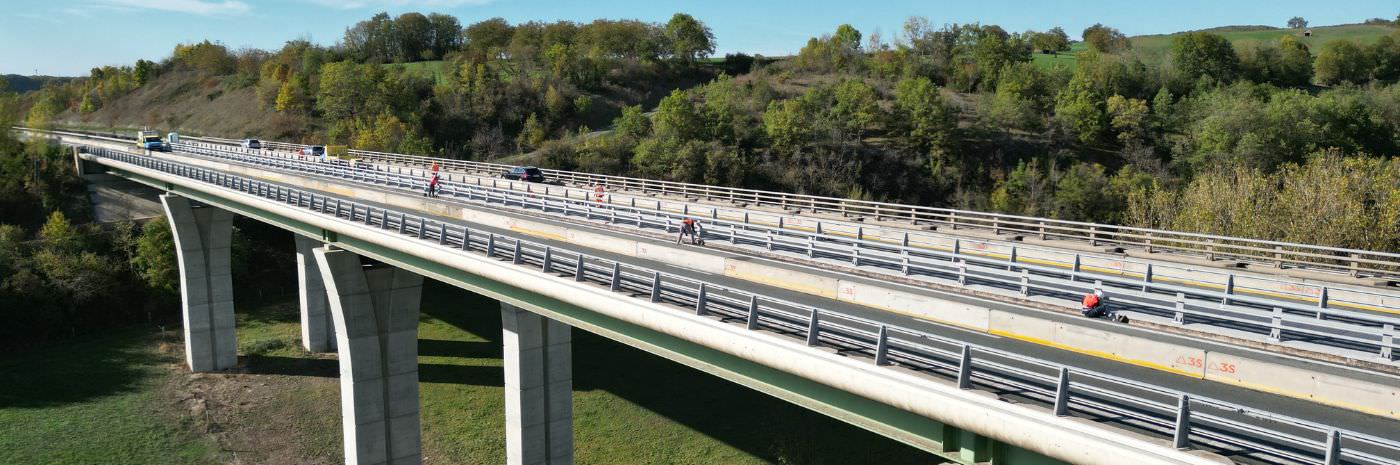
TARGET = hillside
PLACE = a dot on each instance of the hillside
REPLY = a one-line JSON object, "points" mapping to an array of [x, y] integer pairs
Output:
{"points": [[1156, 46], [189, 103], [22, 84]]}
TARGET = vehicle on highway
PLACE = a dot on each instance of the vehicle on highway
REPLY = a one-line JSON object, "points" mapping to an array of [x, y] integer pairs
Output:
{"points": [[250, 144], [150, 140], [524, 173], [318, 151]]}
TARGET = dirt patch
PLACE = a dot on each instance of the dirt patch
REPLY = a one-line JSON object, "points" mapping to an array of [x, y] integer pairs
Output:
{"points": [[256, 417]]}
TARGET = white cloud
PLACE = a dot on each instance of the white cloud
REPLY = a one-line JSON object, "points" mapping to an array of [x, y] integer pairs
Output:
{"points": [[197, 7], [356, 4]]}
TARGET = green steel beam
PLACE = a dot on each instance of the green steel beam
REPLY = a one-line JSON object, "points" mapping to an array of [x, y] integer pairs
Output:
{"points": [[948, 442]]}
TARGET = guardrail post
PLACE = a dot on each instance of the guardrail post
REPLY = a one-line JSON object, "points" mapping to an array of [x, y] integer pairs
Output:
{"points": [[1210, 249], [1355, 265], [548, 257], [1229, 289], [1149, 242], [1012, 266], [422, 225], [780, 222], [996, 226], [905, 242], [579, 269], [516, 258], [442, 233], [813, 329], [819, 228], [1180, 316], [753, 312], [1062, 393], [615, 282], [1182, 438], [962, 272], [1025, 282], [700, 300], [1276, 325], [1322, 298], [1332, 455], [1042, 230], [957, 247], [882, 347], [965, 368], [811, 247], [768, 241], [732, 238], [490, 245], [1093, 236], [1147, 278], [905, 261], [402, 218], [953, 219], [466, 238], [860, 233], [1387, 340], [656, 286], [855, 256]]}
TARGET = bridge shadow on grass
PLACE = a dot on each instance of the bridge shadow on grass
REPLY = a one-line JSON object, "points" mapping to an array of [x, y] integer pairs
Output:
{"points": [[291, 366], [763, 426], [83, 369]]}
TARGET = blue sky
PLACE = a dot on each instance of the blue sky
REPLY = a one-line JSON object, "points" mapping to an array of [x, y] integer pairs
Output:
{"points": [[67, 37]]}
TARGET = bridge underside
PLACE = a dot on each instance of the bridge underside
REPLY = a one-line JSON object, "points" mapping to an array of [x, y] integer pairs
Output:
{"points": [[956, 445]]}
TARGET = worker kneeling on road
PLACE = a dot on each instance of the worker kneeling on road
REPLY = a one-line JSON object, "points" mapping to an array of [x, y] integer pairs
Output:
{"points": [[691, 227], [1095, 305]]}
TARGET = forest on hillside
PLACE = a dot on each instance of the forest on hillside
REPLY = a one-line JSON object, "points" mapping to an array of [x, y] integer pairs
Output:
{"points": [[1269, 138]]}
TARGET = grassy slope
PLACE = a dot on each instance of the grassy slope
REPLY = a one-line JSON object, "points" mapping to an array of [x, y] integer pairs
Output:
{"points": [[95, 401], [118, 400], [1154, 47]]}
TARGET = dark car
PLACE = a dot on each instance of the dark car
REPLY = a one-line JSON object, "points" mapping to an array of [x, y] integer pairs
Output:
{"points": [[525, 173]]}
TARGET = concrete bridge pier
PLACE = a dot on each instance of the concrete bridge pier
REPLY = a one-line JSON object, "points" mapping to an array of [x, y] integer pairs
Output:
{"points": [[317, 326], [375, 311], [203, 239], [539, 389]]}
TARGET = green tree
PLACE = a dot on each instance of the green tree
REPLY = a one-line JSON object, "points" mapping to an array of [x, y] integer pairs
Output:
{"points": [[846, 37], [1343, 61], [1128, 116], [143, 71], [689, 39], [632, 123], [1081, 110], [788, 124], [59, 234], [87, 106], [532, 135], [1052, 41], [1386, 54], [923, 116], [1104, 39], [342, 92], [1297, 22], [1196, 54], [155, 259], [291, 97], [856, 108], [678, 118]]}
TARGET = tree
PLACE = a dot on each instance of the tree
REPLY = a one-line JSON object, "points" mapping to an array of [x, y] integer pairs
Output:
{"points": [[846, 37], [343, 91], [1342, 61], [446, 34], [1128, 116], [1080, 110], [143, 72], [532, 135], [413, 34], [1196, 54], [788, 124], [291, 97], [487, 39], [689, 39], [856, 107], [155, 259], [925, 119], [632, 123], [1297, 22], [1104, 39], [1386, 54], [1052, 41]]}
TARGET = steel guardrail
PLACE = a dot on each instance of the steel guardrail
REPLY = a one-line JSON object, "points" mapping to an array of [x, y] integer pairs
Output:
{"points": [[1354, 262], [1279, 320], [1188, 421]]}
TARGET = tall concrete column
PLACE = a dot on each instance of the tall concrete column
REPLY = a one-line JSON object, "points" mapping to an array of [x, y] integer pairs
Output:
{"points": [[317, 326], [203, 239], [539, 389], [376, 329]]}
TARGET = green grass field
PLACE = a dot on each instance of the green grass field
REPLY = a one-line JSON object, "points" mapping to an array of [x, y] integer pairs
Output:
{"points": [[95, 401], [100, 401], [1156, 47]]}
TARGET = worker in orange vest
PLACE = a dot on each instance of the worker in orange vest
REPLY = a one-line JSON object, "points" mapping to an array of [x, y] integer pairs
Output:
{"points": [[598, 194], [691, 227], [1095, 305]]}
